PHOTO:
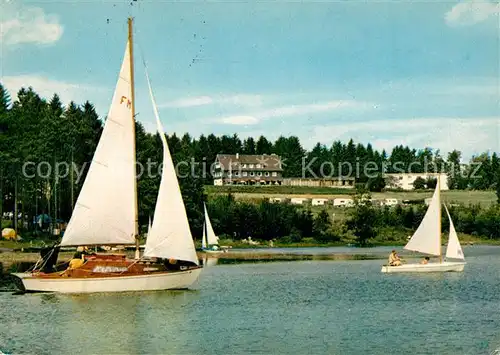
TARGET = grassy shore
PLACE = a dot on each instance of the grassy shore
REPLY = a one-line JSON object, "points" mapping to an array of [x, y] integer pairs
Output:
{"points": [[256, 193]]}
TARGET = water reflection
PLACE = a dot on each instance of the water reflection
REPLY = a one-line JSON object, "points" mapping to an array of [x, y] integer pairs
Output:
{"points": [[116, 321], [209, 262], [338, 307]]}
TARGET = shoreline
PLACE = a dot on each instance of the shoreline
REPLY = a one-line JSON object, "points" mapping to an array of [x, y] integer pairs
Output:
{"points": [[11, 258]]}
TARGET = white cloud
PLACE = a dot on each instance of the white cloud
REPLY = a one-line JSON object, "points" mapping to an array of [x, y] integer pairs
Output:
{"points": [[46, 88], [188, 102], [469, 135], [28, 25], [238, 100], [470, 12], [292, 110], [240, 120]]}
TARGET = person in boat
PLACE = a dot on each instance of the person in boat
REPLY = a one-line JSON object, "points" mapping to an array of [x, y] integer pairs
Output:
{"points": [[174, 264], [79, 258], [394, 259], [425, 260], [77, 261]]}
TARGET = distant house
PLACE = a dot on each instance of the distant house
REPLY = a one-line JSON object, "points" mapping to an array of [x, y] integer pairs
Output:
{"points": [[340, 182], [343, 202], [298, 200], [277, 199], [364, 201], [405, 180], [319, 201], [240, 169]]}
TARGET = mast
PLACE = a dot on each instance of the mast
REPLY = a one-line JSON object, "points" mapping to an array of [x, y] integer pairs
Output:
{"points": [[132, 89], [72, 182], [439, 214]]}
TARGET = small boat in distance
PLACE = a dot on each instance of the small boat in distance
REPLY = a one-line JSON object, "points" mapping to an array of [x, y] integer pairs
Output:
{"points": [[427, 240], [106, 214], [209, 241]]}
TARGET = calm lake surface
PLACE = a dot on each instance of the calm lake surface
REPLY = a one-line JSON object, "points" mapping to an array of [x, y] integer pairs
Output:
{"points": [[300, 307]]}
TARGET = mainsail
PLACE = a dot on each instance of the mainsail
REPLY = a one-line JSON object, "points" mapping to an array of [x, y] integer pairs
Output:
{"points": [[454, 250], [105, 209], [212, 239], [426, 238], [170, 235]]}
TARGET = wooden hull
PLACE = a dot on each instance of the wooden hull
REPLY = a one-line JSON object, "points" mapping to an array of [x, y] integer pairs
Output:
{"points": [[447, 266], [112, 273]]}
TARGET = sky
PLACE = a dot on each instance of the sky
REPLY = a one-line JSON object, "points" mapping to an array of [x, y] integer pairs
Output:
{"points": [[417, 73]]}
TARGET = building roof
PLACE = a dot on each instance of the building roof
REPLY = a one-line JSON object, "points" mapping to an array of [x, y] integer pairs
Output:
{"points": [[268, 162]]}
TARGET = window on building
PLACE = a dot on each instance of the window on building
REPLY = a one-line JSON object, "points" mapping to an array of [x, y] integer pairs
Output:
{"points": [[259, 173], [243, 165], [236, 173], [251, 166], [275, 173], [267, 173], [258, 166], [244, 173], [251, 173]]}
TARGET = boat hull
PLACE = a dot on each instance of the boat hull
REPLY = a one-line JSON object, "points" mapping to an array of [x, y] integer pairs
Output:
{"points": [[123, 283], [447, 266]]}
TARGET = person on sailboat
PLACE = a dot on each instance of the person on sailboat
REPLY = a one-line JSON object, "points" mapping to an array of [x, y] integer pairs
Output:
{"points": [[425, 260], [394, 259], [174, 264]]}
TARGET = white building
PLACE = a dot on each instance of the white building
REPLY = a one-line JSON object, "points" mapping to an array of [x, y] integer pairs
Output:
{"points": [[276, 199], [298, 200], [405, 180], [319, 201], [343, 202]]}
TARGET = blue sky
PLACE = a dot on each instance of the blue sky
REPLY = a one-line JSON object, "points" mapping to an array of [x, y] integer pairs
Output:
{"points": [[424, 74]]}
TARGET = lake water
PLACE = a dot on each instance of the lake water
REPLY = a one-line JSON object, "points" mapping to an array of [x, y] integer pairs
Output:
{"points": [[306, 307]]}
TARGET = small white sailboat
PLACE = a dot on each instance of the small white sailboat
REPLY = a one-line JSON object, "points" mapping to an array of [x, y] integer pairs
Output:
{"points": [[209, 241], [427, 240], [106, 214]]}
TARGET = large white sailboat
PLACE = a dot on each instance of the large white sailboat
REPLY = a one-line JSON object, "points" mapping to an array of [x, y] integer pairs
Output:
{"points": [[106, 214], [427, 240], [209, 241]]}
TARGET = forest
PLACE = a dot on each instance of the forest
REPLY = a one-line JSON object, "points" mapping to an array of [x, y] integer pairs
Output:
{"points": [[39, 137]]}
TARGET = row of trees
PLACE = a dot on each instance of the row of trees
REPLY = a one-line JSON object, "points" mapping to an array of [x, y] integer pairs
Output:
{"points": [[53, 138], [265, 221]]}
